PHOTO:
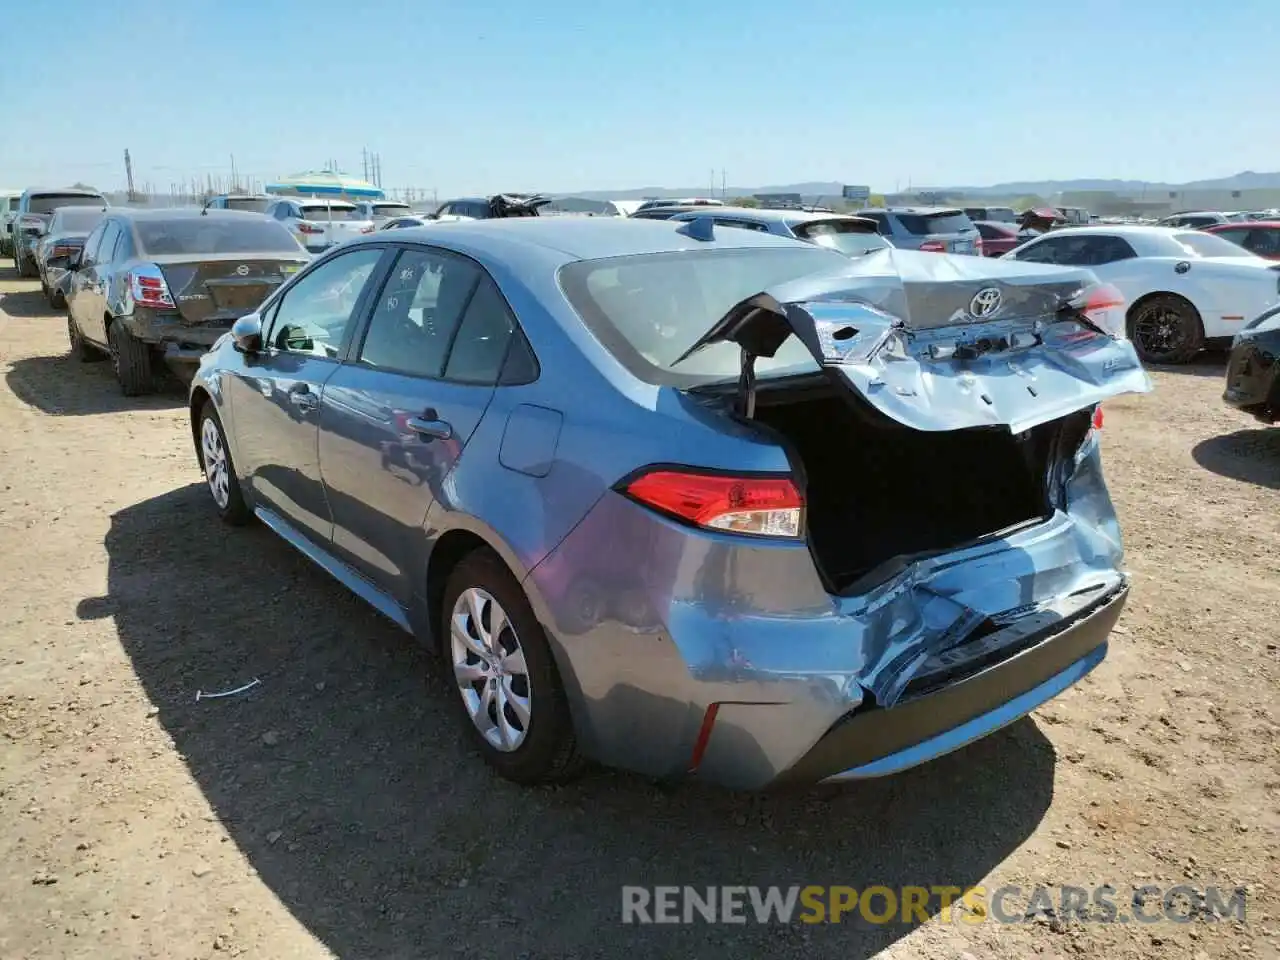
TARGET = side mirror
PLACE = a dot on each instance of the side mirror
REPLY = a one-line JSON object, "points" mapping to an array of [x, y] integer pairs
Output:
{"points": [[246, 334]]}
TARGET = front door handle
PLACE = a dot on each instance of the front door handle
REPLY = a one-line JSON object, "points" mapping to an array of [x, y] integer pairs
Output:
{"points": [[428, 426], [300, 396]]}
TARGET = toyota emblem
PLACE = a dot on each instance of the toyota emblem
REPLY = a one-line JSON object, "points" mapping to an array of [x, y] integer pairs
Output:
{"points": [[243, 270], [985, 303]]}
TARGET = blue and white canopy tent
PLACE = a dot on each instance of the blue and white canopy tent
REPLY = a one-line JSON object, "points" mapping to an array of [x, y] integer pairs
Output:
{"points": [[325, 183]]}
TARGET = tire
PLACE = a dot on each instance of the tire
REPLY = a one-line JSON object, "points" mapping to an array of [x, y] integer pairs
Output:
{"points": [[80, 348], [541, 748], [26, 267], [1166, 329], [219, 469], [131, 360]]}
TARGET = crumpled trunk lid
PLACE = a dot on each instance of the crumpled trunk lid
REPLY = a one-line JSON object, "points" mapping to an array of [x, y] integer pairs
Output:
{"points": [[221, 289], [944, 343]]}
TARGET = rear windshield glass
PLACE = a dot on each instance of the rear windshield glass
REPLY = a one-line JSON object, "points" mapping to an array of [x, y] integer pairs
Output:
{"points": [[319, 211], [922, 224], [849, 237], [648, 310], [391, 209], [48, 202], [78, 220], [250, 204], [197, 235], [14, 203], [1207, 245], [1002, 214]]}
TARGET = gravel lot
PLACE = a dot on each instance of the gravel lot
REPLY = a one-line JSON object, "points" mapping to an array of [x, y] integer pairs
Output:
{"points": [[332, 811]]}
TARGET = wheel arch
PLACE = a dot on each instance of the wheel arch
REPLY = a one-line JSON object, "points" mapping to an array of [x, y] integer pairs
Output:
{"points": [[199, 397]]}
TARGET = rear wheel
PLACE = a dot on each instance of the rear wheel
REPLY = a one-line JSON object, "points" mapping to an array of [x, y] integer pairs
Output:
{"points": [[131, 360], [26, 266], [499, 662], [80, 348], [1165, 328], [219, 471]]}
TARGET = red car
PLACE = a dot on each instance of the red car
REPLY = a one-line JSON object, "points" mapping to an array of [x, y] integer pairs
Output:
{"points": [[998, 237], [1261, 237]]}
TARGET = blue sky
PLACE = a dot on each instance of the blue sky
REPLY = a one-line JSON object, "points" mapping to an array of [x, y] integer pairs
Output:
{"points": [[559, 95]]}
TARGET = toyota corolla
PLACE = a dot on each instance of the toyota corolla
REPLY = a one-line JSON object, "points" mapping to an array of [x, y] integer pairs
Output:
{"points": [[689, 500]]}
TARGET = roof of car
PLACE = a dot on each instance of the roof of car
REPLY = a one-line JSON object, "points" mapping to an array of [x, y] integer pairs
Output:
{"points": [[179, 213], [923, 210], [764, 214], [1243, 225], [582, 238], [69, 191], [1116, 229]]}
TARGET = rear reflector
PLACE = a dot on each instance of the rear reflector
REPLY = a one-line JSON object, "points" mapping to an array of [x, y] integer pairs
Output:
{"points": [[704, 737], [1097, 417], [768, 506], [309, 228], [933, 246]]}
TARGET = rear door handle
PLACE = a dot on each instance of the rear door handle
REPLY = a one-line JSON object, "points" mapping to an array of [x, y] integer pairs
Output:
{"points": [[429, 426]]}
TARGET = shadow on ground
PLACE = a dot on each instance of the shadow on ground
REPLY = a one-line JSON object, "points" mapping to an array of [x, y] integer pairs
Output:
{"points": [[343, 778], [1210, 363], [27, 303], [65, 387], [1249, 455]]}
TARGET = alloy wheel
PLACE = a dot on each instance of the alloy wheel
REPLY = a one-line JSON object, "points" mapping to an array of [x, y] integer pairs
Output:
{"points": [[490, 669], [215, 463], [1158, 329]]}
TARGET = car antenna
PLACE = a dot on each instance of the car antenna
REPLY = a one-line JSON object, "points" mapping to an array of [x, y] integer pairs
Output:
{"points": [[698, 228]]}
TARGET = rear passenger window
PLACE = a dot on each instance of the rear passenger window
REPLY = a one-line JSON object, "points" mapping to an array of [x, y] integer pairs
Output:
{"points": [[481, 343], [418, 312]]}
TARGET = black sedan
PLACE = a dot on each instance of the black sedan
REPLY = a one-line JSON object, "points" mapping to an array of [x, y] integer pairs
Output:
{"points": [[155, 286], [61, 242], [1253, 372]]}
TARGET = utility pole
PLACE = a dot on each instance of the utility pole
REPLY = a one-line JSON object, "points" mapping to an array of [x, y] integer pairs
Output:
{"points": [[723, 190], [128, 174], [364, 159], [235, 181]]}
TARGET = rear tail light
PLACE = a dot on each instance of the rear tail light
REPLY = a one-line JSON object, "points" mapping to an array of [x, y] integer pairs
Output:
{"points": [[1104, 306], [768, 506], [147, 285], [1097, 417], [978, 246], [63, 250], [304, 227], [933, 246]]}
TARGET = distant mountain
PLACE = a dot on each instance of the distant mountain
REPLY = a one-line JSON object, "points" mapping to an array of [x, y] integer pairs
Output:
{"points": [[1247, 180]]}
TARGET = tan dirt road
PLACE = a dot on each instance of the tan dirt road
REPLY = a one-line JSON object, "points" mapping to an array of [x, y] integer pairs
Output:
{"points": [[332, 811]]}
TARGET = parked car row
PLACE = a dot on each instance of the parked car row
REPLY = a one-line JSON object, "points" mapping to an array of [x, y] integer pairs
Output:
{"points": [[699, 438]]}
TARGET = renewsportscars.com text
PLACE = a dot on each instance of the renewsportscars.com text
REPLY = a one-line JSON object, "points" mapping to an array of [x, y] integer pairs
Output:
{"points": [[1107, 903]]}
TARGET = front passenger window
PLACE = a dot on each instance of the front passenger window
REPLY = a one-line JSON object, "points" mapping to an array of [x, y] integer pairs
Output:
{"points": [[313, 314]]}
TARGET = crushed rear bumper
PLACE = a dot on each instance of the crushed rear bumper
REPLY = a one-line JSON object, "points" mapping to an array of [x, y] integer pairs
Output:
{"points": [[872, 742]]}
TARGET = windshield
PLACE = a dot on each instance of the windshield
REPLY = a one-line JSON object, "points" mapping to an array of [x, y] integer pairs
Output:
{"points": [[320, 211], [648, 310], [849, 237], [391, 209], [1207, 245], [197, 235], [249, 204], [48, 202], [14, 204], [76, 219], [947, 221]]}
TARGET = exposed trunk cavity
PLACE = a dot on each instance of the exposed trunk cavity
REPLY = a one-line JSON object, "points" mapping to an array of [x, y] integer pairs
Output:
{"points": [[879, 494]]}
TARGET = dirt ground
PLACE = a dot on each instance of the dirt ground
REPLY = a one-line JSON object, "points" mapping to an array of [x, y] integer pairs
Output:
{"points": [[332, 811]]}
